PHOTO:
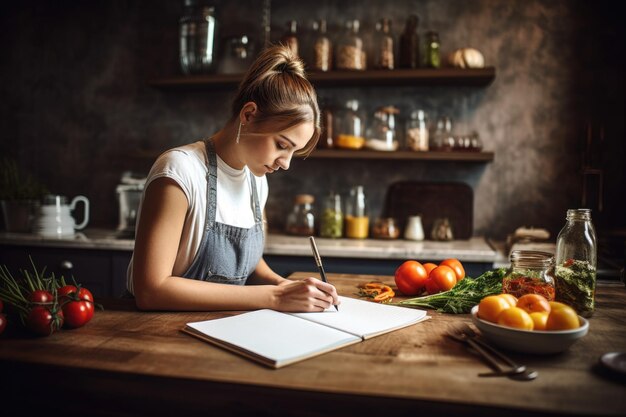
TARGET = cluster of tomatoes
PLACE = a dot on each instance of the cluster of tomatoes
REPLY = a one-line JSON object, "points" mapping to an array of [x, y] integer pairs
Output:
{"points": [[45, 312], [529, 312], [414, 278]]}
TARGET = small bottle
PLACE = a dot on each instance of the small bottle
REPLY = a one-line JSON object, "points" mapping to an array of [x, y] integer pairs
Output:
{"points": [[322, 48], [576, 262], [432, 57], [384, 57], [356, 219], [290, 38], [410, 44], [531, 272], [350, 52], [326, 139], [301, 220], [331, 222], [417, 131]]}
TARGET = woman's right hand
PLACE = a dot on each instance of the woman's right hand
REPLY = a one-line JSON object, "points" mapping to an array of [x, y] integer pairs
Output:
{"points": [[309, 294]]}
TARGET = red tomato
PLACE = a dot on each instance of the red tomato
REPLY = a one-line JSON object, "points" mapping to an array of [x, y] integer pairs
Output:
{"points": [[41, 296], [3, 322], [431, 286], [429, 266], [456, 265], [444, 277], [410, 277], [77, 304], [42, 322]]}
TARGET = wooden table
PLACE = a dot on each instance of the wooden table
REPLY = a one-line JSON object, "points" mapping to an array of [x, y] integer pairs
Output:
{"points": [[126, 362]]}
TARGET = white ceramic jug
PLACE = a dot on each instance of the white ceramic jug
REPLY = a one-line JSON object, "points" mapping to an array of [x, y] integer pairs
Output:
{"points": [[55, 220], [414, 229]]}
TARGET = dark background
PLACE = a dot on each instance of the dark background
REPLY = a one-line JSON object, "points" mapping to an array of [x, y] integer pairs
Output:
{"points": [[77, 108]]}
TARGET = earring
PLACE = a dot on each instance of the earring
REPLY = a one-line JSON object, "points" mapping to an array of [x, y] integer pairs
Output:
{"points": [[238, 133]]}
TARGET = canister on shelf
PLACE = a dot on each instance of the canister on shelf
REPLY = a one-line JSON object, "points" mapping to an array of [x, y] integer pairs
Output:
{"points": [[417, 131], [350, 52], [432, 58], [356, 219], [382, 135], [197, 38], [350, 127], [383, 45], [322, 48], [301, 220], [331, 222]]}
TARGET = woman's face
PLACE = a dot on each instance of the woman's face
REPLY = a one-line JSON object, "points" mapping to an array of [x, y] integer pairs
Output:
{"points": [[266, 154]]}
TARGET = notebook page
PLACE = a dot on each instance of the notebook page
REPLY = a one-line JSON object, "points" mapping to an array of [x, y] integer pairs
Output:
{"points": [[365, 318], [278, 337]]}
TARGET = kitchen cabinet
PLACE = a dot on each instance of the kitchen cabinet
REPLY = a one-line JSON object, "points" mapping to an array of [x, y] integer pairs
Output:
{"points": [[103, 272]]}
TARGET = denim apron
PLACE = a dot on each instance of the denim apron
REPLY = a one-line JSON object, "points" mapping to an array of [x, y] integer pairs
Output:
{"points": [[227, 254]]}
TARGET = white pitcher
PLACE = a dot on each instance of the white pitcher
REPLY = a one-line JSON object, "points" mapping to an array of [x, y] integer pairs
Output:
{"points": [[54, 218], [414, 229]]}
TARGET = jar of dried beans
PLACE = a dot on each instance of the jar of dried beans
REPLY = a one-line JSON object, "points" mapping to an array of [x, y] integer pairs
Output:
{"points": [[350, 52]]}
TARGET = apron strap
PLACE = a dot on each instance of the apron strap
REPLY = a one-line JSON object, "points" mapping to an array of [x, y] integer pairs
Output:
{"points": [[211, 184]]}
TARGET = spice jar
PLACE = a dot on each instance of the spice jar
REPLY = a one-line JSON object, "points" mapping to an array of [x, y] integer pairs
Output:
{"points": [[417, 131], [432, 57], [386, 228], [531, 272], [356, 220], [301, 220], [381, 136], [290, 38], [350, 127], [331, 223], [383, 45], [197, 36], [322, 48], [576, 262], [350, 52], [409, 44]]}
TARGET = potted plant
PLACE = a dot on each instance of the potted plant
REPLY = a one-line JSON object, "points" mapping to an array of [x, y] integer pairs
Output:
{"points": [[20, 195]]}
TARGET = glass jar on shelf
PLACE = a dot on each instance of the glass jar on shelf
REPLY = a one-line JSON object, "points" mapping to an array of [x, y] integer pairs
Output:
{"points": [[386, 228], [417, 131], [197, 38], [383, 45], [301, 220], [290, 37], [331, 222], [322, 48], [327, 117], [350, 52], [410, 44], [576, 262], [442, 139], [382, 135], [531, 272], [356, 218], [350, 127], [238, 55], [431, 56]]}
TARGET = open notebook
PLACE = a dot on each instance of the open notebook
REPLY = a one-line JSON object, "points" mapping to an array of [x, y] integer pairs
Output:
{"points": [[277, 339]]}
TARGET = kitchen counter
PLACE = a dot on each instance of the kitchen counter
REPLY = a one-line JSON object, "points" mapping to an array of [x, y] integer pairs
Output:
{"points": [[476, 249], [127, 362]]}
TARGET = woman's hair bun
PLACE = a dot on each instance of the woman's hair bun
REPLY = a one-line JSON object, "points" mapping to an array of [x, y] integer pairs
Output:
{"points": [[287, 61]]}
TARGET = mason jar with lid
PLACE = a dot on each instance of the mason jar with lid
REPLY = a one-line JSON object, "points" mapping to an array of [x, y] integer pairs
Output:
{"points": [[576, 262], [356, 218], [301, 220], [382, 135], [331, 222], [350, 127], [531, 272]]}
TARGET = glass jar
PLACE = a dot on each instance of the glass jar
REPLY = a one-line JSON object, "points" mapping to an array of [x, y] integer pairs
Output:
{"points": [[301, 220], [386, 228], [350, 52], [331, 223], [290, 38], [576, 262], [442, 139], [238, 55], [531, 272], [410, 44], [356, 219], [322, 48], [417, 131], [381, 135], [326, 139], [432, 58], [383, 49], [350, 127], [198, 40]]}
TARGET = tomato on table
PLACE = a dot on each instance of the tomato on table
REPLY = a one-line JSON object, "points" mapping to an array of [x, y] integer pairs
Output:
{"points": [[456, 266], [77, 305], [410, 277], [444, 277]]}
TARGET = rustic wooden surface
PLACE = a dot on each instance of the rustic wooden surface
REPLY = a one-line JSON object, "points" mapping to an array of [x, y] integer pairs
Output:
{"points": [[126, 362]]}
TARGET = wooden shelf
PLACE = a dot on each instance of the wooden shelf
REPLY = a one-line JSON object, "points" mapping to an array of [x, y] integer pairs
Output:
{"points": [[401, 77], [459, 156]]}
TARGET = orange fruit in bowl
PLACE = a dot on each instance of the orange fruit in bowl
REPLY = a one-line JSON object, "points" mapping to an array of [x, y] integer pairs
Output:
{"points": [[562, 318], [491, 307], [533, 303], [510, 298], [540, 318], [556, 305], [517, 318]]}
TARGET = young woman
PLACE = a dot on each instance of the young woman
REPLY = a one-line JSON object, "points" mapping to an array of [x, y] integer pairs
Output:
{"points": [[199, 240]]}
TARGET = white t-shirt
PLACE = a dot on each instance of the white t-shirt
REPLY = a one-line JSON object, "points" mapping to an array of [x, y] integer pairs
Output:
{"points": [[187, 166]]}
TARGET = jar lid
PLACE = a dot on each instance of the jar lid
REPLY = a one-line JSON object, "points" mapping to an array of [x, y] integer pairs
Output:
{"points": [[389, 109], [304, 199], [532, 258]]}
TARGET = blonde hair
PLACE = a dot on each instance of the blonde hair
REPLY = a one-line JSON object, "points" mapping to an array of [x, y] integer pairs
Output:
{"points": [[277, 83]]}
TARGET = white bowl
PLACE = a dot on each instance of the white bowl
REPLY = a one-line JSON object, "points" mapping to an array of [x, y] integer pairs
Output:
{"points": [[529, 341]]}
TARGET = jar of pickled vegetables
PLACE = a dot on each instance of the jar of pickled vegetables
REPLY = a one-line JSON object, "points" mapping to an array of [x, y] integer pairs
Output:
{"points": [[331, 222], [531, 272]]}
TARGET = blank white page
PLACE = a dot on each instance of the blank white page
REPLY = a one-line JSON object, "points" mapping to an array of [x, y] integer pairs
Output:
{"points": [[366, 318]]}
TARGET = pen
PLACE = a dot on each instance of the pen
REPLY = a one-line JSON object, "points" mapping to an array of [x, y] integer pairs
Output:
{"points": [[318, 261]]}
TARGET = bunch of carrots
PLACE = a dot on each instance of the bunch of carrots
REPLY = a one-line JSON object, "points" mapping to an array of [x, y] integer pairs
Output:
{"points": [[379, 292]]}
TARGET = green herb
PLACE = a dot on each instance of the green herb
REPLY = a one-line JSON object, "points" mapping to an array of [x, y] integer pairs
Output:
{"points": [[15, 185], [575, 285], [463, 296]]}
